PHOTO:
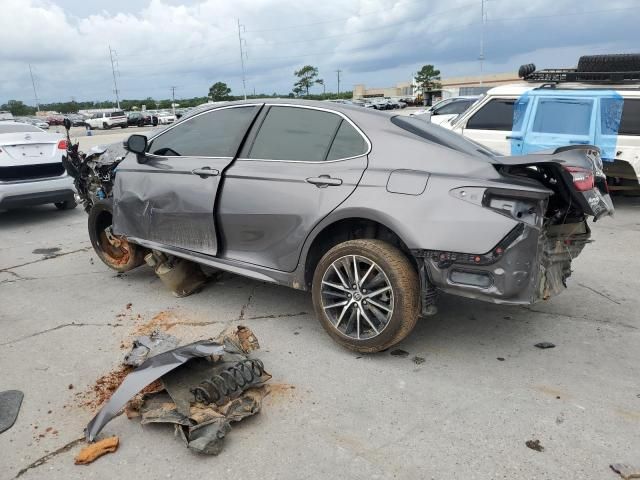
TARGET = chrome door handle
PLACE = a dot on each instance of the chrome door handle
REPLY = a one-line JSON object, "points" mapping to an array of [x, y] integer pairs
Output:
{"points": [[205, 172], [324, 181], [513, 137]]}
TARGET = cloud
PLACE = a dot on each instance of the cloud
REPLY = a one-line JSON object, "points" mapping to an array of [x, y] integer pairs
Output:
{"points": [[164, 43]]}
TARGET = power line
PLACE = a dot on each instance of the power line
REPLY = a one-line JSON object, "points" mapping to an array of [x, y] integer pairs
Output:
{"points": [[173, 99], [338, 73], [113, 70]]}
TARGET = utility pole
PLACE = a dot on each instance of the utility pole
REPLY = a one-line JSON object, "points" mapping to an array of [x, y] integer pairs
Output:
{"points": [[173, 100], [242, 56], [481, 58], [113, 70], [34, 89], [338, 72]]}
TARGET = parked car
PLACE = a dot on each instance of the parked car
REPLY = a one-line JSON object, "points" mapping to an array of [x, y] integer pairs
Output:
{"points": [[542, 121], [38, 123], [107, 120], [5, 115], [165, 118], [54, 119], [446, 110], [373, 213], [77, 120], [31, 171], [140, 119]]}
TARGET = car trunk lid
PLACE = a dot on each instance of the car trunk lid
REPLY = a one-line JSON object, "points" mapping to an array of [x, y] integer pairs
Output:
{"points": [[574, 173], [28, 148]]}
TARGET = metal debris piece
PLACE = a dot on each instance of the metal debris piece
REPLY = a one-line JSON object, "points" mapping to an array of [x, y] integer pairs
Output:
{"points": [[229, 383], [180, 276], [10, 402], [534, 445], [544, 345], [627, 472], [419, 360], [150, 370], [95, 450], [148, 346]]}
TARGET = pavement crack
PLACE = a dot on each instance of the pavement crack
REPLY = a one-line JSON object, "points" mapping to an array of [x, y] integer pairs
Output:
{"points": [[599, 293], [42, 460], [247, 304], [280, 315], [48, 257], [59, 327]]}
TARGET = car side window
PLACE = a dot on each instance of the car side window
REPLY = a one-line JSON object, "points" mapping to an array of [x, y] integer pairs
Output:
{"points": [[347, 143], [292, 133], [630, 119], [497, 114], [563, 116], [453, 108], [216, 133]]}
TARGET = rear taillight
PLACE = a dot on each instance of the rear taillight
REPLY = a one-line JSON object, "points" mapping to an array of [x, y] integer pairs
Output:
{"points": [[583, 179], [62, 144]]}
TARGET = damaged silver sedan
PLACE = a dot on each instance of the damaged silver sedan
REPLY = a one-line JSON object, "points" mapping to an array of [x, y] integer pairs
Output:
{"points": [[374, 213]]}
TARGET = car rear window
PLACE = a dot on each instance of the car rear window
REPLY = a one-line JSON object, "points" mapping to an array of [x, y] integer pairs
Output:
{"points": [[8, 127], [440, 136]]}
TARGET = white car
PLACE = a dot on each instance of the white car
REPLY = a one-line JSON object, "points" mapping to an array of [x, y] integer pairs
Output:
{"points": [[31, 171], [445, 111], [107, 120], [165, 118]]}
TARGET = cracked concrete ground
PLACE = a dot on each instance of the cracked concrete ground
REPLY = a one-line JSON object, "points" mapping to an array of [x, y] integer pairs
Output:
{"points": [[461, 414]]}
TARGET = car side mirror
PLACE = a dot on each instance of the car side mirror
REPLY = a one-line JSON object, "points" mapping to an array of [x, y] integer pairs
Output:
{"points": [[137, 144], [67, 123]]}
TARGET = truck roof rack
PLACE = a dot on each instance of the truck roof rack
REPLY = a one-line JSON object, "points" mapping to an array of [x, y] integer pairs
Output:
{"points": [[562, 75]]}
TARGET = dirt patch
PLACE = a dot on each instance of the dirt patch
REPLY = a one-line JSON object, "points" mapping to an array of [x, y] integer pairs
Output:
{"points": [[103, 388], [280, 391], [165, 320]]}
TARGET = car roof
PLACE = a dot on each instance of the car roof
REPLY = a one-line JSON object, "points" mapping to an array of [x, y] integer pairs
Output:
{"points": [[517, 89]]}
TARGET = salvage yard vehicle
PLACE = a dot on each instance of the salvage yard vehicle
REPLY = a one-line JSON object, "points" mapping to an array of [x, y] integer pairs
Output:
{"points": [[446, 110], [31, 171], [374, 213], [587, 95], [107, 120]]}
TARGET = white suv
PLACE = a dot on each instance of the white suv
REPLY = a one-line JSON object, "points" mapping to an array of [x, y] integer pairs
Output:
{"points": [[107, 120], [574, 107]]}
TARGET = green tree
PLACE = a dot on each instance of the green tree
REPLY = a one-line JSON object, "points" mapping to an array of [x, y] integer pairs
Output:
{"points": [[320, 81], [219, 91], [428, 80], [306, 78], [18, 108]]}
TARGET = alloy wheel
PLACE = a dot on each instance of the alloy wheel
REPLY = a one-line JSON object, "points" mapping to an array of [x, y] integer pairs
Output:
{"points": [[357, 297]]}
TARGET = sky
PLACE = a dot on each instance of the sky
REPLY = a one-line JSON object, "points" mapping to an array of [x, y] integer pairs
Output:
{"points": [[190, 45]]}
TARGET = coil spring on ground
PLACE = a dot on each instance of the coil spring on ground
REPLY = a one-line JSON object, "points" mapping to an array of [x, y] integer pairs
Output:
{"points": [[232, 380]]}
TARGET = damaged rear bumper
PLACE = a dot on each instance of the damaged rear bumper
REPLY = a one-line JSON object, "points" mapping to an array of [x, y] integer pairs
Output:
{"points": [[529, 264]]}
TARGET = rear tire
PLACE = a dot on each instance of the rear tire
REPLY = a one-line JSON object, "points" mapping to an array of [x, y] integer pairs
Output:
{"points": [[114, 251], [105, 126], [363, 320], [66, 205]]}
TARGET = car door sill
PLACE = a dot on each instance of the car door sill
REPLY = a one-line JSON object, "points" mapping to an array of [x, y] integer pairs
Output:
{"points": [[241, 268]]}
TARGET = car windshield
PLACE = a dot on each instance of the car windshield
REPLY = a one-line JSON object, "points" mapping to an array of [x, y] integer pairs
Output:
{"points": [[8, 127], [440, 136]]}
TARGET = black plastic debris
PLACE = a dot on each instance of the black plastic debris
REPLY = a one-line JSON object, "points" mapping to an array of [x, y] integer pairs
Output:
{"points": [[205, 386], [10, 402], [418, 360], [534, 445], [544, 345]]}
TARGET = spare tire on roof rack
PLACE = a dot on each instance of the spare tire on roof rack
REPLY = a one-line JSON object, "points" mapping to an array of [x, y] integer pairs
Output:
{"points": [[526, 69], [620, 62]]}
